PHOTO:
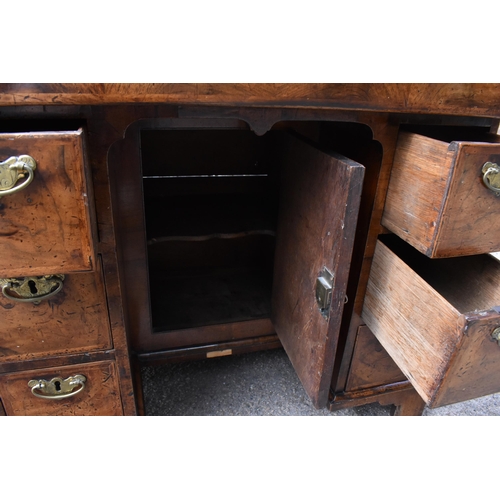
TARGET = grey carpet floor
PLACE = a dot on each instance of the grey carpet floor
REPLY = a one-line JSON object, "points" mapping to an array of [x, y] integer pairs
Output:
{"points": [[256, 384]]}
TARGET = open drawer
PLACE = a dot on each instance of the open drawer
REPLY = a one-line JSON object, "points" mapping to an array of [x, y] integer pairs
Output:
{"points": [[46, 217], [438, 319], [443, 195]]}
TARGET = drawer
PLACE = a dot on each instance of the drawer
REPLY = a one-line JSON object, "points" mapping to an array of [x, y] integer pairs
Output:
{"points": [[45, 204], [438, 319], [371, 365], [73, 320], [95, 392], [438, 199]]}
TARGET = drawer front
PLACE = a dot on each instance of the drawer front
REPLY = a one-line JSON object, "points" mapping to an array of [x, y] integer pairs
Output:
{"points": [[95, 392], [437, 198], [45, 226], [424, 321], [73, 320]]}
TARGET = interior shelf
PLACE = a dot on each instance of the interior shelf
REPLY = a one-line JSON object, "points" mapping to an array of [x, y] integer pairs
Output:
{"points": [[211, 209], [209, 216]]}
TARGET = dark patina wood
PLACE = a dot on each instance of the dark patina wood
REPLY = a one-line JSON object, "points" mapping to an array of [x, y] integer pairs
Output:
{"points": [[371, 365], [114, 111], [50, 362], [401, 395], [420, 311], [473, 371], [100, 396], [319, 201], [214, 350], [455, 99], [437, 200]]}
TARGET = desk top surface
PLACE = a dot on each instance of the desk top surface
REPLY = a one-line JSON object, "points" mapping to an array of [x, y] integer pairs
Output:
{"points": [[471, 99]]}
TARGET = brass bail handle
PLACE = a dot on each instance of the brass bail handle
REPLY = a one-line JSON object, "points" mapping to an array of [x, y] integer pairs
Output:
{"points": [[13, 169], [491, 176], [57, 388], [495, 335], [32, 288]]}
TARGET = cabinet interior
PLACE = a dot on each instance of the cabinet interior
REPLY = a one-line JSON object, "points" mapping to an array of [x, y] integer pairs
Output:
{"points": [[210, 201], [212, 198]]}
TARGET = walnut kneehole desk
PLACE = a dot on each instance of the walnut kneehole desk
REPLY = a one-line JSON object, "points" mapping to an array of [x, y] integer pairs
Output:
{"points": [[350, 224]]}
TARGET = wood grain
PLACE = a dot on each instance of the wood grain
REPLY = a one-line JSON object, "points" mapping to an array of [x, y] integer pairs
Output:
{"points": [[319, 202], [435, 319], [401, 395], [371, 366], [455, 99], [417, 189], [74, 320], [473, 372], [436, 199], [108, 124], [260, 343], [100, 397], [471, 217], [414, 323], [47, 228], [54, 361]]}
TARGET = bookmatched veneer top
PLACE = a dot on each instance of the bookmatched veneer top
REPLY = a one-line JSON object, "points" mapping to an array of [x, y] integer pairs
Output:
{"points": [[454, 99]]}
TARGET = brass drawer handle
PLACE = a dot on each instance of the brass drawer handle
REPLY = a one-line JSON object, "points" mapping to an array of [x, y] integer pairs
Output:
{"points": [[13, 169], [32, 288], [57, 388], [495, 335], [491, 177]]}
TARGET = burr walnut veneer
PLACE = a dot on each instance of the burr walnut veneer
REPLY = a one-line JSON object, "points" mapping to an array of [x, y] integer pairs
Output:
{"points": [[349, 224]]}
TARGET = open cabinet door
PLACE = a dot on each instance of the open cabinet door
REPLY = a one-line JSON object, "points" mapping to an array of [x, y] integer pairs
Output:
{"points": [[319, 201]]}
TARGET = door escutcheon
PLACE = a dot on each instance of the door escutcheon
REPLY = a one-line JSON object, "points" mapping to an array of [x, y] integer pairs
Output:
{"points": [[324, 287]]}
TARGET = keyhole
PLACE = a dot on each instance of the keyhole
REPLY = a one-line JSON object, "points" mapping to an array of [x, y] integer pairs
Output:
{"points": [[33, 288], [57, 385]]}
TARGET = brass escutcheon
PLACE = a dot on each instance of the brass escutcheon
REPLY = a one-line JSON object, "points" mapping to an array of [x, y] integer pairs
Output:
{"points": [[491, 177], [495, 334], [32, 288], [12, 170], [57, 388]]}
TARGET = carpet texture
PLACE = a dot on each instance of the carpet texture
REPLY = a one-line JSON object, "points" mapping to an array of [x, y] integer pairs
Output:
{"points": [[256, 384]]}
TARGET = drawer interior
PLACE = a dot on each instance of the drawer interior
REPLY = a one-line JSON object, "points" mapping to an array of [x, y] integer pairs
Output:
{"points": [[467, 283], [454, 133], [436, 319]]}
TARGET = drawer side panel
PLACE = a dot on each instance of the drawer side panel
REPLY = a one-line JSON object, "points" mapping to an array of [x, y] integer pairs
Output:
{"points": [[417, 189], [415, 324]]}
